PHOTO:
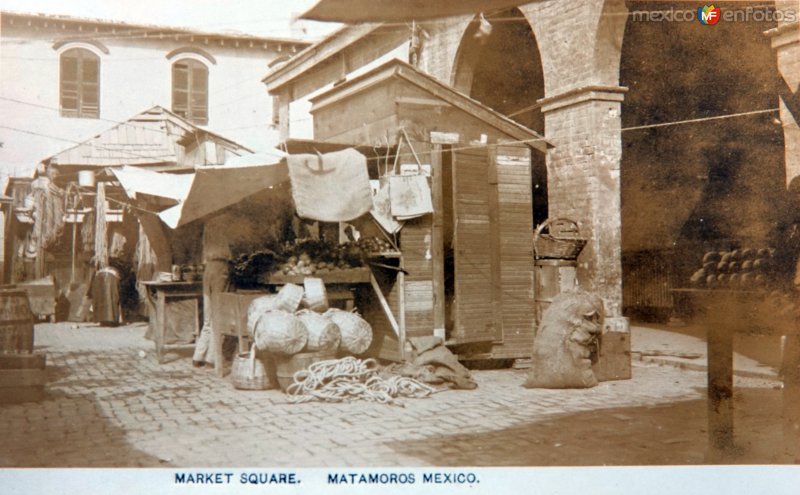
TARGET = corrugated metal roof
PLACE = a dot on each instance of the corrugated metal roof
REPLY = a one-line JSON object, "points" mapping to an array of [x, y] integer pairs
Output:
{"points": [[153, 137]]}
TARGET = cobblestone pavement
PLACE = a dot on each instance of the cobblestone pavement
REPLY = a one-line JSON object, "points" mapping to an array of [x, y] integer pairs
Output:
{"points": [[110, 404]]}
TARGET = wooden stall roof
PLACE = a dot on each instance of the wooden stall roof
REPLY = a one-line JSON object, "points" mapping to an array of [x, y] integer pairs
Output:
{"points": [[311, 146], [398, 69], [150, 138]]}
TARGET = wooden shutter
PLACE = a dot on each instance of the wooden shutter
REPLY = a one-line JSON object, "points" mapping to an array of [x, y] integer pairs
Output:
{"points": [[180, 89], [198, 102], [90, 76], [474, 308], [80, 84], [190, 90]]}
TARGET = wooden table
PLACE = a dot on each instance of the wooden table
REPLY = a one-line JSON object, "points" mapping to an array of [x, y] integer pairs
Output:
{"points": [[724, 313], [165, 298]]}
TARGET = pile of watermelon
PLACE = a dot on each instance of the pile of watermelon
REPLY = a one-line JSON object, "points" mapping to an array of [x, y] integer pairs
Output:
{"points": [[740, 269]]}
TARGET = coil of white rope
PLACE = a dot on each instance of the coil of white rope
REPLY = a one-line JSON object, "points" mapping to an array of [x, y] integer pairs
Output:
{"points": [[349, 378]]}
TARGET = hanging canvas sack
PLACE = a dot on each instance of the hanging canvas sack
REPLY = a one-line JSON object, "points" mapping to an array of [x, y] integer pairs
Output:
{"points": [[330, 187]]}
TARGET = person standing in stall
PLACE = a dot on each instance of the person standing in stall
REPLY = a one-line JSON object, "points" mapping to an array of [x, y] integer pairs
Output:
{"points": [[216, 255]]}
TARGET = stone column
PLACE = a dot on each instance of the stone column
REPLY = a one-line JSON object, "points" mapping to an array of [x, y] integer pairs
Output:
{"points": [[786, 42], [584, 178]]}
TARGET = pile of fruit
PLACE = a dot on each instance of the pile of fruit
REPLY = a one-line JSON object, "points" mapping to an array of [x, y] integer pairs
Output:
{"points": [[740, 269], [305, 257], [374, 245], [303, 264], [313, 257]]}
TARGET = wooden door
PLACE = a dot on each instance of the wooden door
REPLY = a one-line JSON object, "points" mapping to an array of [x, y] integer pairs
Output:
{"points": [[475, 263], [515, 226]]}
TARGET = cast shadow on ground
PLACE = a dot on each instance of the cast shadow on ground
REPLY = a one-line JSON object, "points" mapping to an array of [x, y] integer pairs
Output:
{"points": [[72, 426], [631, 436]]}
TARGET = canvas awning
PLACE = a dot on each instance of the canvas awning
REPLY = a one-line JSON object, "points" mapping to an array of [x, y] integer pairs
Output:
{"points": [[206, 191], [353, 11]]}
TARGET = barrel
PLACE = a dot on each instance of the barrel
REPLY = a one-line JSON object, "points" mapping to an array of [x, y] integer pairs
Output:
{"points": [[16, 322], [552, 277], [287, 366]]}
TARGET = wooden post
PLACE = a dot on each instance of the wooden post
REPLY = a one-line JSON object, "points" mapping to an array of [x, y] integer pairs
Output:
{"points": [[720, 390], [437, 238], [791, 396], [282, 101], [401, 303]]}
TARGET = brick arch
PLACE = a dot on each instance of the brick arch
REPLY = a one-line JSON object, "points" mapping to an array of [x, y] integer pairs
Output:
{"points": [[507, 63], [608, 41], [504, 71]]}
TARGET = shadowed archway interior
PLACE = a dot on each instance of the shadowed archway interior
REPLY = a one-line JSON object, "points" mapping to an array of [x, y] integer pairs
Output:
{"points": [[502, 69]]}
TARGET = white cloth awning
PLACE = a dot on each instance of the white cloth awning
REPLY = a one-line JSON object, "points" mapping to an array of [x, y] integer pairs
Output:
{"points": [[136, 180], [206, 191], [354, 11]]}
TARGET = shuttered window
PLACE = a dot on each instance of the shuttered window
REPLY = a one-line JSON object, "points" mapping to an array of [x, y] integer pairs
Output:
{"points": [[80, 84], [190, 90]]}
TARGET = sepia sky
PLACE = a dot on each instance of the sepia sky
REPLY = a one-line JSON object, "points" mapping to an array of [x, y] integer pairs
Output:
{"points": [[259, 17]]}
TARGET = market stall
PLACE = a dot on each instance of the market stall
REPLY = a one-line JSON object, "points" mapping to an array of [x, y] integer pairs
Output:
{"points": [[467, 273]]}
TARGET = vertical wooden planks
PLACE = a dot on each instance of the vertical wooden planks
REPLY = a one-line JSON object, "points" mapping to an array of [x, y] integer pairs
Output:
{"points": [[474, 314], [515, 227]]}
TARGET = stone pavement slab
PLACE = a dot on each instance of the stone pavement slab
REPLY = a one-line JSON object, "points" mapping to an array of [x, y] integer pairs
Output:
{"points": [[110, 404]]}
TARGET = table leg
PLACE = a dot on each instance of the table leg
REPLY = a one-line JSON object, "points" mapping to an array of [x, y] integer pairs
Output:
{"points": [[161, 325], [720, 391]]}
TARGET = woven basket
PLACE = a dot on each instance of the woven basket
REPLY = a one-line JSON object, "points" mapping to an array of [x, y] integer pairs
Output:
{"points": [[258, 307], [280, 332], [315, 297], [562, 240], [323, 334], [250, 373], [356, 332], [289, 298]]}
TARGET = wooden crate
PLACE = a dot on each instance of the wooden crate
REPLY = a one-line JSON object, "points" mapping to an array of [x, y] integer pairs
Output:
{"points": [[614, 362], [22, 378]]}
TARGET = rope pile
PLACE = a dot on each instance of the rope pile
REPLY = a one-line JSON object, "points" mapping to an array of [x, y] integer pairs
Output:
{"points": [[338, 380]]}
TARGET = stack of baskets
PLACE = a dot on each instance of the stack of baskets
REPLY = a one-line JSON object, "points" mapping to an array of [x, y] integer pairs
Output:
{"points": [[294, 338]]}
